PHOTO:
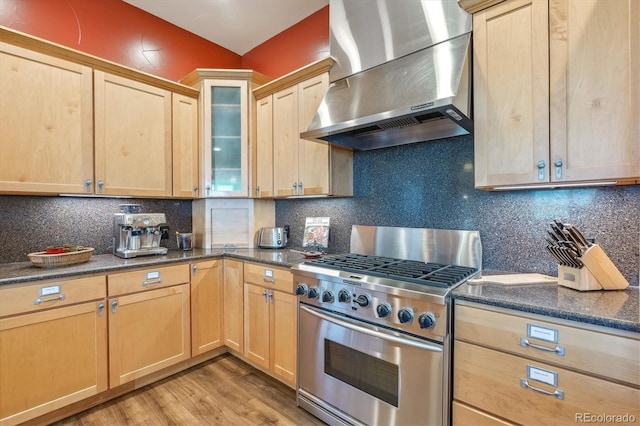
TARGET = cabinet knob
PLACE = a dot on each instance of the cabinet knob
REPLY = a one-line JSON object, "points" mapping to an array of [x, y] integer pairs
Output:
{"points": [[541, 166], [194, 268], [300, 190], [195, 190], [258, 191], [87, 185], [100, 185]]}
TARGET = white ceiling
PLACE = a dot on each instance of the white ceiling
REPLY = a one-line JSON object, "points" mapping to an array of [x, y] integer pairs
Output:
{"points": [[237, 25]]}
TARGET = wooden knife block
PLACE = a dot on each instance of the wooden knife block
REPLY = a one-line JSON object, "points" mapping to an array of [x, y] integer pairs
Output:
{"points": [[599, 273]]}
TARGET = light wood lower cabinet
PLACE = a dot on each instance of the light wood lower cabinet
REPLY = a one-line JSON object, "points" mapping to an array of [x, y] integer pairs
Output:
{"points": [[206, 306], [234, 304], [149, 321], [462, 414], [53, 346], [516, 367], [270, 321]]}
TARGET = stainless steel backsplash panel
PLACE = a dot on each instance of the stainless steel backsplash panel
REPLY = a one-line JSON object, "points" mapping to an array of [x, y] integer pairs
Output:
{"points": [[445, 246]]}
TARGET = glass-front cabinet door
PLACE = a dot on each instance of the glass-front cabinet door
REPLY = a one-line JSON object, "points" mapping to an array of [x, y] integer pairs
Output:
{"points": [[225, 138]]}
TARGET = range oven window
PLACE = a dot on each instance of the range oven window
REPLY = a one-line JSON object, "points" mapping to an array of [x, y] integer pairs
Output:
{"points": [[374, 376]]}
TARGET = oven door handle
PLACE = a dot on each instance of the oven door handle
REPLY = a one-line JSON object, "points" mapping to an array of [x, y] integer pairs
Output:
{"points": [[371, 330]]}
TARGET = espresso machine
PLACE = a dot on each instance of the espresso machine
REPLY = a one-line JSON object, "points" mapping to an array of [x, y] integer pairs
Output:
{"points": [[138, 234]]}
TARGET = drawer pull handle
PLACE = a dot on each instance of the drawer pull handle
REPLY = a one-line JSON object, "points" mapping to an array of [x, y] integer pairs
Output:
{"points": [[153, 281], [558, 349], [269, 280], [558, 393], [53, 299]]}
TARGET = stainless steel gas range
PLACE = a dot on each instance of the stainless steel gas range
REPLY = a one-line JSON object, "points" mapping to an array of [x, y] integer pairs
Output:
{"points": [[374, 325]]}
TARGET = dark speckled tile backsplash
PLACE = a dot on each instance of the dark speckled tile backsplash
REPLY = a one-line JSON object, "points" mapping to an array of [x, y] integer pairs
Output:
{"points": [[430, 185], [29, 224]]}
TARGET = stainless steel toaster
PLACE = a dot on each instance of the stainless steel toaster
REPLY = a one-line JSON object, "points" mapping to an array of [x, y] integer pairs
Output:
{"points": [[272, 238]]}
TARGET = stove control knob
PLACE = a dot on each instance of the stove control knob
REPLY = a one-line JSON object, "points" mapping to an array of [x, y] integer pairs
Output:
{"points": [[363, 300], [313, 293], [405, 315], [344, 296], [327, 296], [427, 320], [301, 289], [384, 310]]}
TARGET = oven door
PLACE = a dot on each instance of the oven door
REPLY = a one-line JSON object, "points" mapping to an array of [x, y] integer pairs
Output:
{"points": [[360, 373]]}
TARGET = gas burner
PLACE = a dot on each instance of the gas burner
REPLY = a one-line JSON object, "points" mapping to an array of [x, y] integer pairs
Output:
{"points": [[426, 273]]}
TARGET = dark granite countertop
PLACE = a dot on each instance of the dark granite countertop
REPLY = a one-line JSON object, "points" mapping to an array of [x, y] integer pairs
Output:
{"points": [[614, 309], [618, 309], [20, 272]]}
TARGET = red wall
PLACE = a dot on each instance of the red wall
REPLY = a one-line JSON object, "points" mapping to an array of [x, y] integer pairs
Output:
{"points": [[301, 44], [116, 31]]}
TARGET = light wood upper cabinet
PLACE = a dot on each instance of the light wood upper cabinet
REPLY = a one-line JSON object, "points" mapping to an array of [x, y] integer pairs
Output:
{"points": [[185, 146], [206, 306], [133, 137], [511, 113], [53, 346], [46, 117], [301, 167], [286, 140], [594, 47], [554, 101], [313, 156], [297, 166], [264, 148], [73, 123], [227, 120]]}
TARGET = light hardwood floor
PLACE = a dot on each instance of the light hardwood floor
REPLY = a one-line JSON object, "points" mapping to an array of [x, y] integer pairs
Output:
{"points": [[222, 391]]}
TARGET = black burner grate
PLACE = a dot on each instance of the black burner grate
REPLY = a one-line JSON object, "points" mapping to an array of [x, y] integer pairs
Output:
{"points": [[433, 274]]}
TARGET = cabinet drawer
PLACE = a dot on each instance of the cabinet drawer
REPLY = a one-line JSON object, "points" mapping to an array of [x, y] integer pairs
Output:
{"points": [[594, 352], [147, 279], [492, 380], [463, 415], [268, 276], [49, 294]]}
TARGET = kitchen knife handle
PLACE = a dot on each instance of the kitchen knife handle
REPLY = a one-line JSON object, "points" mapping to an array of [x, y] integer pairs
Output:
{"points": [[558, 393], [558, 349]]}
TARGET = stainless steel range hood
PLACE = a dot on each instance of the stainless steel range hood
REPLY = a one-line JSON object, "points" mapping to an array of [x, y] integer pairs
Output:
{"points": [[401, 73]]}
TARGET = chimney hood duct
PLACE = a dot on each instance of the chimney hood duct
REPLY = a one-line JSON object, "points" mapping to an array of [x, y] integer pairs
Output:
{"points": [[401, 74]]}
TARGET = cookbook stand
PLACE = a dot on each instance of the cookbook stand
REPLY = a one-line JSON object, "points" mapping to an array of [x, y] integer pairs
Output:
{"points": [[598, 273]]}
